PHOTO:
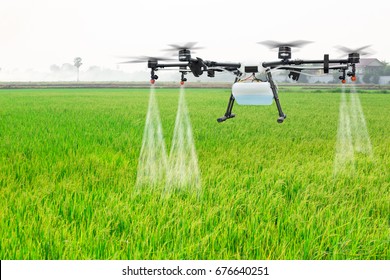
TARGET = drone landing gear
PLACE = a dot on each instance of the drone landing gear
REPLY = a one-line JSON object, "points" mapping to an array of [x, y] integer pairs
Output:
{"points": [[282, 116], [228, 114]]}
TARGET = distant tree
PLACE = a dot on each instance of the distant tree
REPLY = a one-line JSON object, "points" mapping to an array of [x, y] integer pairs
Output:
{"points": [[375, 79], [376, 73], [367, 77], [77, 64], [386, 70], [67, 67], [54, 68], [385, 67], [94, 68]]}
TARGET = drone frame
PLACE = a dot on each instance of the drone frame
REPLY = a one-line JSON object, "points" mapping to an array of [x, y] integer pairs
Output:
{"points": [[198, 66]]}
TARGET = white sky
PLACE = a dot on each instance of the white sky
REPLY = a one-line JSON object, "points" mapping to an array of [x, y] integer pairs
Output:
{"points": [[39, 33]]}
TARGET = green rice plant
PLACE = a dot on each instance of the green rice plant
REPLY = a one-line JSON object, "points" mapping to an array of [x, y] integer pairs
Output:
{"points": [[68, 168]]}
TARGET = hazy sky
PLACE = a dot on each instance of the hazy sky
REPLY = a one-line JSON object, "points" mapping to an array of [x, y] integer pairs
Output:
{"points": [[39, 33]]}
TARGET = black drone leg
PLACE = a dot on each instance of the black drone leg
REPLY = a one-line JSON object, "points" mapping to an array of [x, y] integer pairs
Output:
{"points": [[228, 114], [282, 116]]}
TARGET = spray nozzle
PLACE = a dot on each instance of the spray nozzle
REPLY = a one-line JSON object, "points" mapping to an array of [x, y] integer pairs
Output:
{"points": [[342, 77], [153, 77], [352, 75], [182, 78]]}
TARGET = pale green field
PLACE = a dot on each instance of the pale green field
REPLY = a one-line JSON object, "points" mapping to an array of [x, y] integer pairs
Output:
{"points": [[68, 163]]}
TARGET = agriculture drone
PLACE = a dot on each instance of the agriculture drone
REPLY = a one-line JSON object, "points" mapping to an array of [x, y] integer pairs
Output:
{"points": [[250, 80]]}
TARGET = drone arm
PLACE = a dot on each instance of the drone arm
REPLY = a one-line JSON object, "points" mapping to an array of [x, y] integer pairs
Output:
{"points": [[296, 66], [196, 66], [222, 64], [300, 68], [187, 64], [220, 67], [275, 64], [167, 65]]}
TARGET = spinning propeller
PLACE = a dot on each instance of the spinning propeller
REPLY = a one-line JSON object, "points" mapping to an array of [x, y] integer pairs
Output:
{"points": [[141, 59], [284, 47], [184, 50], [187, 46], [293, 44], [361, 51]]}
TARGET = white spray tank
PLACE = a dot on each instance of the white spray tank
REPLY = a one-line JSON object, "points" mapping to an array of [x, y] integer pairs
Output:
{"points": [[252, 93], [251, 90]]}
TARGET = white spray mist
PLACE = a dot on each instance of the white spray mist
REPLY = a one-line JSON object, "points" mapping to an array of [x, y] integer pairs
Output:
{"points": [[183, 169], [352, 133], [152, 165]]}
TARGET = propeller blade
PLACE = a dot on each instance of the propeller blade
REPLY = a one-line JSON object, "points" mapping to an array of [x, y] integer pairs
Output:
{"points": [[270, 44], [362, 50], [131, 61], [275, 44], [187, 46], [141, 59]]}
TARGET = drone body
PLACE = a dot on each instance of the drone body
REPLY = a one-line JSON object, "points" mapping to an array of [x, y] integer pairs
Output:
{"points": [[254, 84]]}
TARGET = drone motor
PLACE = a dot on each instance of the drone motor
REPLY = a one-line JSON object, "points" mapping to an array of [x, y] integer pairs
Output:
{"points": [[284, 52], [184, 55]]}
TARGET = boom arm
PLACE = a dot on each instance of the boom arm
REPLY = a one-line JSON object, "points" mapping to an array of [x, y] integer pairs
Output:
{"points": [[327, 64], [196, 66]]}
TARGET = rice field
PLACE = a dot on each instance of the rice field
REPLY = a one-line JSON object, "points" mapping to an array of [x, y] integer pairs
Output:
{"points": [[68, 171]]}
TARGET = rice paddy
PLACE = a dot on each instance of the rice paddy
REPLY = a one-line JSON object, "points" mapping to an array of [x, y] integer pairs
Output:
{"points": [[69, 160]]}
